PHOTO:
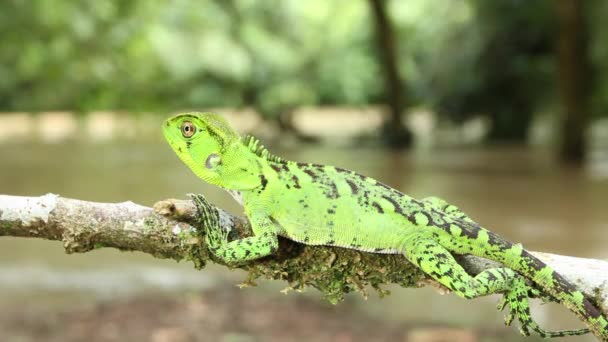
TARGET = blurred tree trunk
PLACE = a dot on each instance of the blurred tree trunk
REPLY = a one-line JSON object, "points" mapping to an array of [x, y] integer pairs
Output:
{"points": [[510, 83], [395, 133], [573, 77]]}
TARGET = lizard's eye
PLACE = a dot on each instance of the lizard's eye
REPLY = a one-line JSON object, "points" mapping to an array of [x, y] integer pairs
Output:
{"points": [[212, 161], [188, 129]]}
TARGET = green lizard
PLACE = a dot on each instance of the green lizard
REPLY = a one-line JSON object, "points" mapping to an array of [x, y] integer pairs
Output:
{"points": [[325, 205]]}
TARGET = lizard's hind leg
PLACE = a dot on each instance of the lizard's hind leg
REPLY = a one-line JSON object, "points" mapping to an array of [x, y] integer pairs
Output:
{"points": [[437, 262]]}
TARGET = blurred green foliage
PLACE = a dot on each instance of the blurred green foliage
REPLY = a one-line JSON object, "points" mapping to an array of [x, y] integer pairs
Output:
{"points": [[460, 57], [143, 55]]}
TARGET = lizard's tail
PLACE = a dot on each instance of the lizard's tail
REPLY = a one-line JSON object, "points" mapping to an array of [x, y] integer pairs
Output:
{"points": [[553, 283]]}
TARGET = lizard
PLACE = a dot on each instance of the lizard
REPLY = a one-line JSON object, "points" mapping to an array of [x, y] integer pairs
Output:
{"points": [[325, 205]]}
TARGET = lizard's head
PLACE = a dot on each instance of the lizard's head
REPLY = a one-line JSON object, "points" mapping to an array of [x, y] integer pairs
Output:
{"points": [[210, 147]]}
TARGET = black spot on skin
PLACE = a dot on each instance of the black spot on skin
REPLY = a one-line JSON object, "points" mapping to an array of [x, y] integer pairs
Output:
{"points": [[263, 181], [470, 232], [535, 264], [378, 250], [284, 167], [382, 185], [311, 173], [446, 225], [331, 242], [395, 204], [428, 218], [441, 256], [362, 177], [411, 217], [211, 131], [179, 149], [463, 291], [341, 170], [564, 284], [363, 200], [353, 187], [247, 252], [311, 168], [495, 240], [276, 168], [435, 274], [296, 181], [306, 239], [331, 211], [332, 192], [590, 310], [378, 207], [188, 144]]}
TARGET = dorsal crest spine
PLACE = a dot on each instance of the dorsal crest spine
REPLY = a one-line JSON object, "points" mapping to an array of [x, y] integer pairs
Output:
{"points": [[255, 146]]}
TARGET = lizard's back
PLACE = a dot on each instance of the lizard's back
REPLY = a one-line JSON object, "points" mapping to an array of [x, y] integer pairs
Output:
{"points": [[325, 205]]}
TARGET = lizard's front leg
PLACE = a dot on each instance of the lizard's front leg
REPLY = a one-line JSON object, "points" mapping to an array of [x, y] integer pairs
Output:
{"points": [[263, 243], [248, 248]]}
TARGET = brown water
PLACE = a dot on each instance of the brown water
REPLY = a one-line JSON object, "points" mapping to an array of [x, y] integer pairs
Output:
{"points": [[520, 194]]}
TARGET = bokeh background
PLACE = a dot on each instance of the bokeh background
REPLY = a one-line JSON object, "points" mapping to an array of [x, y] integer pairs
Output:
{"points": [[501, 107]]}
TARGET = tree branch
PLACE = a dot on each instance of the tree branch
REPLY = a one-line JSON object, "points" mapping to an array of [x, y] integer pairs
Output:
{"points": [[169, 231]]}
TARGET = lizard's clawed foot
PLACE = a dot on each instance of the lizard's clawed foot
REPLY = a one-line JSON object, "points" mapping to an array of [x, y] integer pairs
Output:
{"points": [[215, 235], [519, 307]]}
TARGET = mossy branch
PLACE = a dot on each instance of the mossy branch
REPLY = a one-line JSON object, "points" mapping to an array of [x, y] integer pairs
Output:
{"points": [[170, 231]]}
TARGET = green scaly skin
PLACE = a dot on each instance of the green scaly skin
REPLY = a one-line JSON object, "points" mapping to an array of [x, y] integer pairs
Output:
{"points": [[325, 205]]}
